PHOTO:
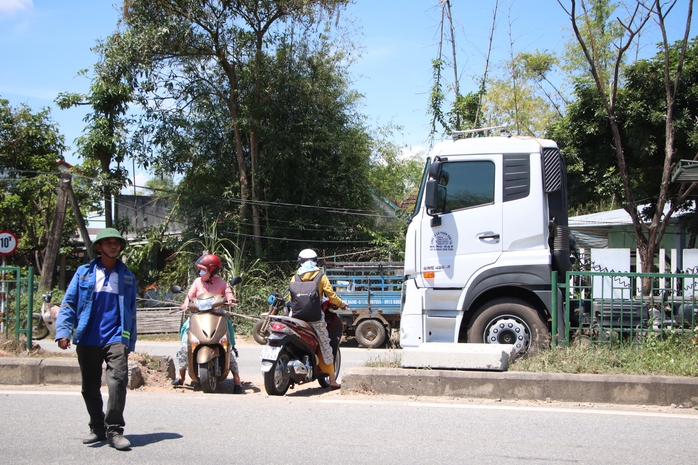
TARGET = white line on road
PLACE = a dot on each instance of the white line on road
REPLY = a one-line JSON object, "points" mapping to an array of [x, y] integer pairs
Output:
{"points": [[519, 408]]}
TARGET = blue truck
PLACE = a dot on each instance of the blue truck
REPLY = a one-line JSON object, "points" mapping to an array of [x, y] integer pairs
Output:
{"points": [[373, 291]]}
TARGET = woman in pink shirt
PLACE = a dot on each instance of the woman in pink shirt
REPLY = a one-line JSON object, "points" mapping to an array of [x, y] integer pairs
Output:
{"points": [[209, 266]]}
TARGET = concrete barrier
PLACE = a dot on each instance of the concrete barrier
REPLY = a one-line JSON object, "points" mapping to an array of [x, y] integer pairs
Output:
{"points": [[612, 389], [491, 357]]}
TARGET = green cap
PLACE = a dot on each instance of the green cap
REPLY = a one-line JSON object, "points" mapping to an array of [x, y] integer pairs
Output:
{"points": [[108, 233]]}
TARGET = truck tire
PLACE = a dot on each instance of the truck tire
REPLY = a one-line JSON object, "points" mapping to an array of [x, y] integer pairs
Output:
{"points": [[370, 333], [510, 323]]}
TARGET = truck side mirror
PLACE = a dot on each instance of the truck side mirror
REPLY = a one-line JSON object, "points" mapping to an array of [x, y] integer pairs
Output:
{"points": [[434, 197], [435, 169]]}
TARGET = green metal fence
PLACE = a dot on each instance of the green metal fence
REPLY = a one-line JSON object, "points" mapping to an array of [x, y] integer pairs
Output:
{"points": [[602, 307], [17, 311]]}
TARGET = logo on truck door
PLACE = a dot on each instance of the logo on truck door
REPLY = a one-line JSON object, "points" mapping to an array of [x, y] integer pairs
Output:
{"points": [[441, 242]]}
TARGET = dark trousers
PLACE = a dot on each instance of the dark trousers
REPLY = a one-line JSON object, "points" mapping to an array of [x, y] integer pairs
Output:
{"points": [[90, 359]]}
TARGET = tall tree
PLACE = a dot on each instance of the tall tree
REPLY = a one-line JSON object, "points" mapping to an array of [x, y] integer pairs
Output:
{"points": [[605, 66], [463, 111], [105, 139], [215, 53]]}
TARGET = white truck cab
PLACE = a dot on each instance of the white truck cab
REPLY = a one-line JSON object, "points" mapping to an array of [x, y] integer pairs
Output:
{"points": [[489, 226]]}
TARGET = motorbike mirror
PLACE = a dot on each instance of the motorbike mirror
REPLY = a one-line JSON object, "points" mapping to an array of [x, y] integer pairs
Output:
{"points": [[176, 290], [236, 280]]}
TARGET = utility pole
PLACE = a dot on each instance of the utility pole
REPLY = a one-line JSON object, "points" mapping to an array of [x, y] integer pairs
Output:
{"points": [[81, 221], [54, 239]]}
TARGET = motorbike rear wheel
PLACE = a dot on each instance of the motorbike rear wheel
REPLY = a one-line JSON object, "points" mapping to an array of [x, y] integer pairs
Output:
{"points": [[277, 380], [207, 376], [325, 380], [260, 331], [39, 328]]}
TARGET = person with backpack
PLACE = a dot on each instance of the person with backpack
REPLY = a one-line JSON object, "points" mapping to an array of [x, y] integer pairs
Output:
{"points": [[307, 289]]}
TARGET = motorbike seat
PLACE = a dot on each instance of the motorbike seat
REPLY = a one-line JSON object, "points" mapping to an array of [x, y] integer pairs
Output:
{"points": [[290, 319]]}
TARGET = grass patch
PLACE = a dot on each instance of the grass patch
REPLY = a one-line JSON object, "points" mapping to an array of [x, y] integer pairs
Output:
{"points": [[388, 359], [661, 354], [164, 337]]}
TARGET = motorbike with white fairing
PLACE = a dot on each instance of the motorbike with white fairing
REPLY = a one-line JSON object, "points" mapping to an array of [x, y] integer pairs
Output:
{"points": [[292, 354], [209, 342]]}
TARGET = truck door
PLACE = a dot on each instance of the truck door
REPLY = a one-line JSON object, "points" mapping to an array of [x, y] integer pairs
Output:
{"points": [[467, 233]]}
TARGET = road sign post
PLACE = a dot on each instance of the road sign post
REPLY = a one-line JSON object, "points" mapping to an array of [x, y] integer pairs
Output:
{"points": [[8, 244]]}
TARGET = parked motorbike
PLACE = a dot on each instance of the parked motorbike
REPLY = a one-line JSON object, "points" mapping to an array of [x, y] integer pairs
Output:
{"points": [[260, 331], [44, 322], [208, 346], [292, 353]]}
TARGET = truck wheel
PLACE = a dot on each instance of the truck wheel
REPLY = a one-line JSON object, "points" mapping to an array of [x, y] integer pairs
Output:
{"points": [[370, 333], [510, 323]]}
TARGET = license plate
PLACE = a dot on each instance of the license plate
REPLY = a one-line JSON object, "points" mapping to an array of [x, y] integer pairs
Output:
{"points": [[270, 353]]}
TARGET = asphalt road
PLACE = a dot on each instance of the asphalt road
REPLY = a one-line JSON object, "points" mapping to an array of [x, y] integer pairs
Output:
{"points": [[317, 426]]}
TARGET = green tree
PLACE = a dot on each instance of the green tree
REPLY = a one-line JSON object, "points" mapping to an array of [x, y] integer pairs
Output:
{"points": [[105, 139], [215, 59], [394, 174], [30, 146], [605, 65]]}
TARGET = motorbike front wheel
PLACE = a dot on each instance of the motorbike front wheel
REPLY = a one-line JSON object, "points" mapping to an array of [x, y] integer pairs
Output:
{"points": [[325, 380], [260, 331], [39, 328], [207, 376], [277, 380]]}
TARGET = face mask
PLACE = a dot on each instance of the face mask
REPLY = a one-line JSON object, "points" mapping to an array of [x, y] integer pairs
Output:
{"points": [[202, 273]]}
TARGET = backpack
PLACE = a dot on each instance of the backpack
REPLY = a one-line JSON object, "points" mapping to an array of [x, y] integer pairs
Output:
{"points": [[305, 298]]}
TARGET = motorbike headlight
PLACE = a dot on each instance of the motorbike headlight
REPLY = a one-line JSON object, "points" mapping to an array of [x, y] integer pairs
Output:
{"points": [[205, 304]]}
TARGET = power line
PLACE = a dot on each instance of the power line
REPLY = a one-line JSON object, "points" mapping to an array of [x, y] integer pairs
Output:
{"points": [[332, 210]]}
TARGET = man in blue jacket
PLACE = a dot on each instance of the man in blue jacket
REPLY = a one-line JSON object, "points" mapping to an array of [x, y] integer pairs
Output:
{"points": [[99, 310]]}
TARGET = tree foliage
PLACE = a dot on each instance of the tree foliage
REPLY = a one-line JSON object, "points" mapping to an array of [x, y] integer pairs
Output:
{"points": [[614, 105], [250, 102], [30, 146], [104, 142]]}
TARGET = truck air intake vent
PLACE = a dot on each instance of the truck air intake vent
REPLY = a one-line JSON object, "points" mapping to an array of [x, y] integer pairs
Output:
{"points": [[552, 170]]}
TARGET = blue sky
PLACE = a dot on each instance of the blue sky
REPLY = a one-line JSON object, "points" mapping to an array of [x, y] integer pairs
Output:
{"points": [[44, 43]]}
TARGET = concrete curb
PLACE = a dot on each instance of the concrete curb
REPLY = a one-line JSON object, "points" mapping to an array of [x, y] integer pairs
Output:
{"points": [[612, 389], [19, 370]]}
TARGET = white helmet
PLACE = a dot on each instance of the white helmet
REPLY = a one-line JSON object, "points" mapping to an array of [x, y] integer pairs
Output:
{"points": [[305, 255]]}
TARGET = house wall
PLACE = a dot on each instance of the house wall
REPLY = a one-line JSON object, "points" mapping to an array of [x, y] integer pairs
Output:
{"points": [[146, 211], [621, 237]]}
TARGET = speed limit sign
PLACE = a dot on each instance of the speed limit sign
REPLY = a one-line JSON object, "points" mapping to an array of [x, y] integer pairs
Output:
{"points": [[8, 242]]}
